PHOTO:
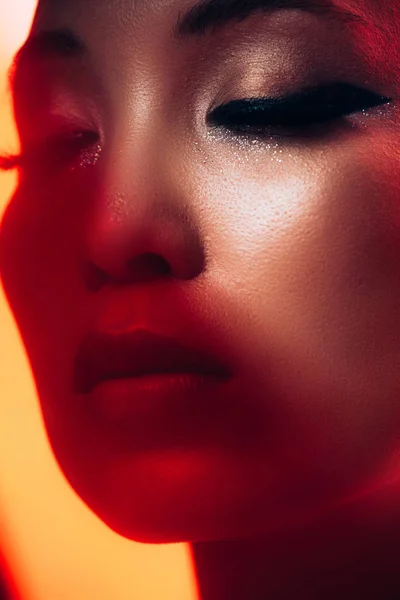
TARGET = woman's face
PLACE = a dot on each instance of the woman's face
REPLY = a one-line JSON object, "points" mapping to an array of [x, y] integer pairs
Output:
{"points": [[265, 236]]}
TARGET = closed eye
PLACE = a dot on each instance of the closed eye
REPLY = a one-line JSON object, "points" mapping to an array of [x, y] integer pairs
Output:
{"points": [[294, 114], [51, 153]]}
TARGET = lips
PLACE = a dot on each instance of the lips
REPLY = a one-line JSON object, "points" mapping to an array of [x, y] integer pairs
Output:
{"points": [[103, 357]]}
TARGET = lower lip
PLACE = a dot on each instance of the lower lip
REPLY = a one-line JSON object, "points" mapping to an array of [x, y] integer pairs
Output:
{"points": [[159, 394]]}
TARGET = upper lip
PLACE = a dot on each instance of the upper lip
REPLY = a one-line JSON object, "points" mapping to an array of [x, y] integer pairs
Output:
{"points": [[103, 356]]}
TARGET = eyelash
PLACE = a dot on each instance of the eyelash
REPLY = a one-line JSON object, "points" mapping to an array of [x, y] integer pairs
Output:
{"points": [[288, 116], [293, 115], [51, 153]]}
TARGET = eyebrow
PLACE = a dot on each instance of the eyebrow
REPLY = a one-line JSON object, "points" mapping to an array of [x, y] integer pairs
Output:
{"points": [[214, 14], [61, 43]]}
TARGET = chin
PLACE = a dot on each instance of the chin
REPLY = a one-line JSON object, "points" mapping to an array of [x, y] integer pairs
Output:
{"points": [[173, 493], [155, 520], [140, 498]]}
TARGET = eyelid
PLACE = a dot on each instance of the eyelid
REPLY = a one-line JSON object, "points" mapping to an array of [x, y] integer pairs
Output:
{"points": [[57, 111], [310, 92], [61, 149], [52, 124], [302, 110]]}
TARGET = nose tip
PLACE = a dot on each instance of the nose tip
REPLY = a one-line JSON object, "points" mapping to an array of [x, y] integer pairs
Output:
{"points": [[143, 253]]}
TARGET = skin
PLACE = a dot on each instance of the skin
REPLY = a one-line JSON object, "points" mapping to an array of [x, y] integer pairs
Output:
{"points": [[283, 259]]}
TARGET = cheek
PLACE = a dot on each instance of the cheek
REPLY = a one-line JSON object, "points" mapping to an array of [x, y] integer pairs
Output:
{"points": [[38, 232], [40, 236], [38, 249], [310, 272], [315, 253]]}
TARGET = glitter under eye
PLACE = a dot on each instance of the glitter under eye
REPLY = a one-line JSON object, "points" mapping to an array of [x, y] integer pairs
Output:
{"points": [[88, 157]]}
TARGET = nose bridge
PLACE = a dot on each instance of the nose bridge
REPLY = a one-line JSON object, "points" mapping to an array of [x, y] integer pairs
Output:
{"points": [[137, 94]]}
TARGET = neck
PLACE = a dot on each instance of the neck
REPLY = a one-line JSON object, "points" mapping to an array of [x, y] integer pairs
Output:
{"points": [[353, 554]]}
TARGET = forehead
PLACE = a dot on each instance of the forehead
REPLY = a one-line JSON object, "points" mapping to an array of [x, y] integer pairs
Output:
{"points": [[127, 5], [119, 12], [124, 11]]}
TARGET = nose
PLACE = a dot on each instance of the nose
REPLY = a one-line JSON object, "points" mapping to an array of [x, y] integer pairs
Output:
{"points": [[139, 226]]}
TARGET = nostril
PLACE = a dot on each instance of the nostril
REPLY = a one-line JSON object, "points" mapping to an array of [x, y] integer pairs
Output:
{"points": [[148, 266], [140, 268], [93, 276]]}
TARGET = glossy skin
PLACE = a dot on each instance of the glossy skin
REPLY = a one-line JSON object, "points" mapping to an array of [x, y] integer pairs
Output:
{"points": [[283, 258]]}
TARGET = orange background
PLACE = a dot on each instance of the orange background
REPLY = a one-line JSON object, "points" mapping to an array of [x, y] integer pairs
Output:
{"points": [[55, 548]]}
